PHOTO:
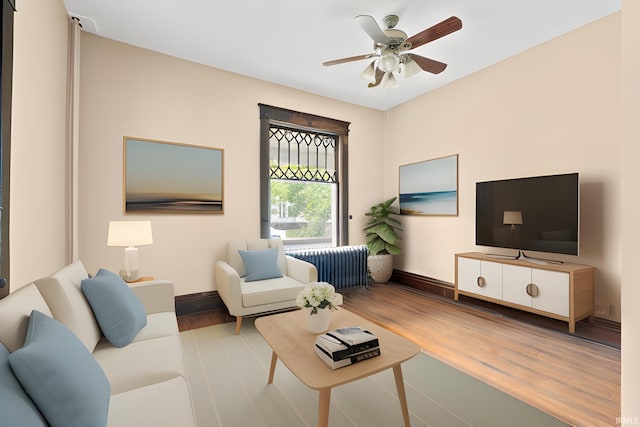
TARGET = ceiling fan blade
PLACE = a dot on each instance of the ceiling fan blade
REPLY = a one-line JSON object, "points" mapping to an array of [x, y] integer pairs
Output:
{"points": [[445, 27], [379, 76], [349, 59], [371, 27], [429, 65]]}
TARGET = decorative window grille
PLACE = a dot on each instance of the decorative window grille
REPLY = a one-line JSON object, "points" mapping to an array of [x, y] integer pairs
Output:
{"points": [[302, 155]]}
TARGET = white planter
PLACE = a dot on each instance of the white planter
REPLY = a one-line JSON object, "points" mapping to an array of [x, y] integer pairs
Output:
{"points": [[380, 267], [319, 322]]}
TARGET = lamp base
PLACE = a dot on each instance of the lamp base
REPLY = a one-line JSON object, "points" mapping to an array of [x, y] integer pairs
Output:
{"points": [[129, 275]]}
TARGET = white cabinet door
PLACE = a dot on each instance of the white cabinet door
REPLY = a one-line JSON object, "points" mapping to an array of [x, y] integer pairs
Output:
{"points": [[514, 284], [553, 291], [480, 277]]}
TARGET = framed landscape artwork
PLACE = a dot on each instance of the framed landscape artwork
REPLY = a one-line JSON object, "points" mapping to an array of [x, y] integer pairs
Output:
{"points": [[430, 187], [167, 177]]}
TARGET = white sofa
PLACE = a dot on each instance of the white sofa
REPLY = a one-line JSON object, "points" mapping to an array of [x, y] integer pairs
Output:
{"points": [[148, 383], [244, 297]]}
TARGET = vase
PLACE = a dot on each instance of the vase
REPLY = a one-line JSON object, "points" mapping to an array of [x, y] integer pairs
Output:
{"points": [[319, 322]]}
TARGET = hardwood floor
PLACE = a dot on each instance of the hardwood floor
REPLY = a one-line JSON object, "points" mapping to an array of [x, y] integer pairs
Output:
{"points": [[573, 379]]}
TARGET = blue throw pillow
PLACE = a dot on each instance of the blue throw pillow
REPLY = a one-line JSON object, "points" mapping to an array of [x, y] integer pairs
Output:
{"points": [[118, 310], [261, 264], [16, 408], [61, 376]]}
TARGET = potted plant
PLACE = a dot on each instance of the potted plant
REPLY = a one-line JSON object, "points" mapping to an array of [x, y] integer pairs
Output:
{"points": [[382, 234]]}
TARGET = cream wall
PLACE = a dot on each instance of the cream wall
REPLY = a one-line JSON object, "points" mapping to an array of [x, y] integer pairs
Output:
{"points": [[130, 91], [631, 213], [552, 109], [37, 218]]}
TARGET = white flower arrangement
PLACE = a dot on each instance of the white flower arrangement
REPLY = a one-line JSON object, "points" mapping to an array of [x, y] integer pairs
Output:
{"points": [[317, 295]]}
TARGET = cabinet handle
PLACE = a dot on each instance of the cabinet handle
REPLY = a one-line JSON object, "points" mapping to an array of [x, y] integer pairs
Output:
{"points": [[481, 282], [532, 290]]}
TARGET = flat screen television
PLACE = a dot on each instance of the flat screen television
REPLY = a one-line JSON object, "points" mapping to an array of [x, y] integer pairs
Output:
{"points": [[539, 213]]}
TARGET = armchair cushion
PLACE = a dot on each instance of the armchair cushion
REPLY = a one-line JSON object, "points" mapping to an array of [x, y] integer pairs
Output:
{"points": [[118, 311], [235, 260], [60, 375], [261, 264]]}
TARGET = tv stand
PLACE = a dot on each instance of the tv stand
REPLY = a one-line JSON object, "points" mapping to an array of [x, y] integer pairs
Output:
{"points": [[560, 291]]}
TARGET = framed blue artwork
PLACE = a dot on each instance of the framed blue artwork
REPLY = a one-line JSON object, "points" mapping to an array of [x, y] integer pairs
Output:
{"points": [[430, 187]]}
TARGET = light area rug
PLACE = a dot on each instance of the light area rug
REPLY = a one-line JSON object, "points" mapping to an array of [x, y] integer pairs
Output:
{"points": [[228, 379]]}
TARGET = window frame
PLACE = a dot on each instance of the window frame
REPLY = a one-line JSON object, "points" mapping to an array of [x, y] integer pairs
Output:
{"points": [[276, 115], [6, 79]]}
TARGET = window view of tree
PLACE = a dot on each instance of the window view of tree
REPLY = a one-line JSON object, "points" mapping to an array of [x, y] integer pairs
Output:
{"points": [[301, 209]]}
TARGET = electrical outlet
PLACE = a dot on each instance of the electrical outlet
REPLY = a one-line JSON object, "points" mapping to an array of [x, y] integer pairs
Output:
{"points": [[602, 309]]}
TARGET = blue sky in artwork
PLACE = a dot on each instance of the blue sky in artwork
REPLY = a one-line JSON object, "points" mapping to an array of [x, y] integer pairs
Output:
{"points": [[154, 167], [429, 176]]}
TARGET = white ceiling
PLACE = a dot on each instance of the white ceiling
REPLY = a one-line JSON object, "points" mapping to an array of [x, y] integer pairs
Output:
{"points": [[286, 41]]}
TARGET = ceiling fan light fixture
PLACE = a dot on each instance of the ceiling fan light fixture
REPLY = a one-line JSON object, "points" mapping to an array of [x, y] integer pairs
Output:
{"points": [[389, 61], [391, 50], [408, 68], [389, 80], [369, 73]]}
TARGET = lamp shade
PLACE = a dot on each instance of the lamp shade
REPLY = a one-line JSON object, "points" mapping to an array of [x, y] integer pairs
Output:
{"points": [[512, 217], [388, 61], [389, 80], [408, 67], [129, 233], [369, 73]]}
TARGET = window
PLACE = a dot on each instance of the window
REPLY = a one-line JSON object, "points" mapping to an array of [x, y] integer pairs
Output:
{"points": [[303, 184], [6, 76]]}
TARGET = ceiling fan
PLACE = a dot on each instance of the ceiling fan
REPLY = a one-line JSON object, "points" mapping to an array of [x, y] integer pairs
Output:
{"points": [[391, 50]]}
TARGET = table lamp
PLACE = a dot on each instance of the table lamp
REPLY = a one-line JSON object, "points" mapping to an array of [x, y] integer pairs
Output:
{"points": [[130, 234], [512, 218]]}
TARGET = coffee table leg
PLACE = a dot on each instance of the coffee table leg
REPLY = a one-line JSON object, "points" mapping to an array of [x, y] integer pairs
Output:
{"points": [[323, 407], [272, 368], [402, 396]]}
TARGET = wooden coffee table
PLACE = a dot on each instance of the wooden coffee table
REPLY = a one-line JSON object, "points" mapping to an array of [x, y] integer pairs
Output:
{"points": [[293, 344]]}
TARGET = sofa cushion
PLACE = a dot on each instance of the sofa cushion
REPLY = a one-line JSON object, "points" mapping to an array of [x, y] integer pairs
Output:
{"points": [[16, 408], [118, 311], [260, 265], [15, 310], [167, 403], [67, 303], [140, 363], [60, 375], [270, 291]]}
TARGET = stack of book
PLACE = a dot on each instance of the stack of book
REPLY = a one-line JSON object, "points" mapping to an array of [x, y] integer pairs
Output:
{"points": [[345, 346]]}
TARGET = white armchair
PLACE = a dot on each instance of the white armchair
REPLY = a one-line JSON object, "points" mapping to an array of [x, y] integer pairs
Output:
{"points": [[244, 296]]}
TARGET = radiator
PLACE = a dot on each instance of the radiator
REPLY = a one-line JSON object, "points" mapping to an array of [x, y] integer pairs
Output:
{"points": [[343, 267]]}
